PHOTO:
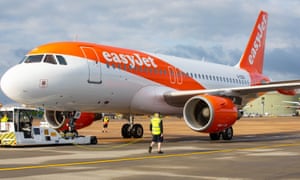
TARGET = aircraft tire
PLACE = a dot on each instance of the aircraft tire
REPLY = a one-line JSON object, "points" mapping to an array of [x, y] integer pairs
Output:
{"points": [[227, 134], [137, 131], [75, 132], [126, 131], [214, 136]]}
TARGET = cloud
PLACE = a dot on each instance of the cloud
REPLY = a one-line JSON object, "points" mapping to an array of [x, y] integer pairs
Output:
{"points": [[215, 30], [146, 25], [283, 64]]}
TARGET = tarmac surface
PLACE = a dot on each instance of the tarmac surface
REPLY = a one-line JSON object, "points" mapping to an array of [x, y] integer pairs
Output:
{"points": [[262, 148]]}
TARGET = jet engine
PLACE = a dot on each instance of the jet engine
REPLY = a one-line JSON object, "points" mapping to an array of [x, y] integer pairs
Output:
{"points": [[60, 119], [291, 92], [210, 114]]}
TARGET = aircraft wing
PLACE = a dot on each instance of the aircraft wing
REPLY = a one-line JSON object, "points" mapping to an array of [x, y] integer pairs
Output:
{"points": [[292, 107], [178, 98], [293, 102]]}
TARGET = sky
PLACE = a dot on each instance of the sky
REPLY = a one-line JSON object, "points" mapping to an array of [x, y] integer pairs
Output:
{"points": [[211, 30]]}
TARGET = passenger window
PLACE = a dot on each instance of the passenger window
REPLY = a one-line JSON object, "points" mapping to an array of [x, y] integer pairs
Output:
{"points": [[160, 72], [61, 60], [165, 72], [34, 59], [50, 59]]}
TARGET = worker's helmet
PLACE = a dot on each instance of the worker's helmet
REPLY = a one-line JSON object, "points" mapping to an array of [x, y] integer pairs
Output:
{"points": [[156, 115]]}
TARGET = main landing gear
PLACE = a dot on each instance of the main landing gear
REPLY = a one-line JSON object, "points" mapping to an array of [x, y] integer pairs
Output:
{"points": [[227, 134], [132, 130]]}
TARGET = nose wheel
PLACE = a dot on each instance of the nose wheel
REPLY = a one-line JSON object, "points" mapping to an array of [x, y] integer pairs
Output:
{"points": [[132, 130]]}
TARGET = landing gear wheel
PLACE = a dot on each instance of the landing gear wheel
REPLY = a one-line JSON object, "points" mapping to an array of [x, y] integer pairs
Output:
{"points": [[214, 136], [126, 131], [227, 134], [137, 131]]}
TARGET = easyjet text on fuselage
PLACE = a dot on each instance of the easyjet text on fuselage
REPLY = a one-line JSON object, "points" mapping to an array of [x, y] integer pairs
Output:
{"points": [[133, 59]]}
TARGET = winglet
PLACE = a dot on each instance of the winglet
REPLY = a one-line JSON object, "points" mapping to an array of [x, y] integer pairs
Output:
{"points": [[253, 57]]}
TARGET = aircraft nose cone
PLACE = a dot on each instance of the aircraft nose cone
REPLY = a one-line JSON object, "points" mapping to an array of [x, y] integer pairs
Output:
{"points": [[11, 84]]}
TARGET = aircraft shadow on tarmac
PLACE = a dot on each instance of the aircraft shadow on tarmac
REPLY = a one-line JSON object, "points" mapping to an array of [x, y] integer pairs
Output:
{"points": [[240, 138]]}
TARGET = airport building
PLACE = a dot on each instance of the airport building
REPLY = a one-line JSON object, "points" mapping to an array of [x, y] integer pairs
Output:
{"points": [[273, 104]]}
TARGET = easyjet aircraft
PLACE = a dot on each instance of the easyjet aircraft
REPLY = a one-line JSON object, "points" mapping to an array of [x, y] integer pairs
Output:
{"points": [[78, 76]]}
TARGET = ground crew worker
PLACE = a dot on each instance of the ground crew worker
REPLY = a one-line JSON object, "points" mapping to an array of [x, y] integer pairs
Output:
{"points": [[156, 128], [4, 118], [105, 123], [3, 122]]}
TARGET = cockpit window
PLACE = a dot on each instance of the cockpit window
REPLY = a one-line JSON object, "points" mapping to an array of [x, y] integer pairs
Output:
{"points": [[33, 59], [47, 58], [50, 59], [61, 60]]}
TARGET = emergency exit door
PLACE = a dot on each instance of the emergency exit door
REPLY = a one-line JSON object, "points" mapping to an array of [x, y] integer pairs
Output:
{"points": [[94, 65]]}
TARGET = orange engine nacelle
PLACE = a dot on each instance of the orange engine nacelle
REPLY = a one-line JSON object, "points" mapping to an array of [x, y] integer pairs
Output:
{"points": [[290, 92], [58, 120], [211, 114]]}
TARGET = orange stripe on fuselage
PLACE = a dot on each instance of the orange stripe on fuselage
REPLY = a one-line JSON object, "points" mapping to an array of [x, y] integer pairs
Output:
{"points": [[135, 62]]}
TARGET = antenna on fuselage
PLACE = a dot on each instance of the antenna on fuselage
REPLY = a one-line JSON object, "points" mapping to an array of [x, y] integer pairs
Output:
{"points": [[75, 37]]}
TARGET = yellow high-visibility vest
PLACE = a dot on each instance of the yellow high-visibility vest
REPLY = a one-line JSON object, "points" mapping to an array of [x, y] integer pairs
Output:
{"points": [[155, 126], [105, 120], [4, 119]]}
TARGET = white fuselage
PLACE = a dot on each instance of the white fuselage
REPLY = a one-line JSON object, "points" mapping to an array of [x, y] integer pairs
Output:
{"points": [[74, 86]]}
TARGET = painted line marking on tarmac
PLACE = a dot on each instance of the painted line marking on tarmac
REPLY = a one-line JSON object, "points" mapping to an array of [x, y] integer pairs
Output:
{"points": [[146, 157], [111, 147]]}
